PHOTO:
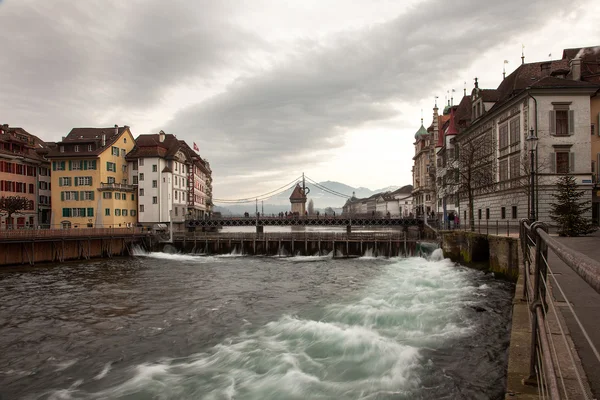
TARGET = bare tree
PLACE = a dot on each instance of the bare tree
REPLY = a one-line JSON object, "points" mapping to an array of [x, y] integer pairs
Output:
{"points": [[311, 207], [11, 205], [475, 172]]}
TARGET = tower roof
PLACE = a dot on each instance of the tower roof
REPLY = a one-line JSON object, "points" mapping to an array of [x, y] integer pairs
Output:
{"points": [[422, 132], [297, 193]]}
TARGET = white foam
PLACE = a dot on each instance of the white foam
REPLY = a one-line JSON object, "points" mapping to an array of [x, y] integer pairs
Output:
{"points": [[104, 371]]}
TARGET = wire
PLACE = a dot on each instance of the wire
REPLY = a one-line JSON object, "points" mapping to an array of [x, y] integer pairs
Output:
{"points": [[326, 189], [259, 197]]}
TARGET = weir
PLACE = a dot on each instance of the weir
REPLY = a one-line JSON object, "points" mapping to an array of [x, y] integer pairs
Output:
{"points": [[381, 244]]}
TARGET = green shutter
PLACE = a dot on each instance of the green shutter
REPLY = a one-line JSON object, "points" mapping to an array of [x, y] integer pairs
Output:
{"points": [[76, 183], [571, 122], [92, 198], [53, 165], [82, 195], [65, 212], [552, 122], [107, 166], [62, 165], [77, 196], [90, 212], [62, 196], [69, 165], [85, 163], [90, 181]]}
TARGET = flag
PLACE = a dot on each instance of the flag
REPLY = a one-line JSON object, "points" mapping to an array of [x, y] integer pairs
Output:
{"points": [[505, 61], [196, 147]]}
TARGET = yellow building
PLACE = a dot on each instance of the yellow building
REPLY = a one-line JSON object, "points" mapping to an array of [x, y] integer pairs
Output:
{"points": [[89, 179]]}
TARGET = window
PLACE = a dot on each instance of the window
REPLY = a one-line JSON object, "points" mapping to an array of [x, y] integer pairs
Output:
{"points": [[124, 213], [487, 213], [135, 166], [154, 168], [503, 170], [141, 176], [176, 211], [87, 195], [563, 162], [90, 212], [141, 192], [124, 168], [154, 183], [62, 149], [123, 152], [479, 213], [83, 181], [115, 151], [124, 140], [107, 195], [64, 181], [176, 195], [117, 212], [154, 200], [562, 120], [514, 212], [123, 196], [503, 135], [76, 165], [132, 213], [111, 167], [132, 197], [56, 166], [515, 127], [107, 211], [110, 179], [141, 162], [117, 196], [515, 169], [503, 213], [69, 196], [91, 164], [141, 208], [31, 188], [135, 180], [89, 147]]}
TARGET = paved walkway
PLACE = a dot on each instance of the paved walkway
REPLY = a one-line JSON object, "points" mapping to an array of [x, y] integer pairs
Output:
{"points": [[585, 301]]}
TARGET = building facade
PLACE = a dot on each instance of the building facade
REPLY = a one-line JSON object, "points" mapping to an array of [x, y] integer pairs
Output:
{"points": [[398, 203], [423, 169], [173, 182], [24, 173], [90, 180], [489, 130]]}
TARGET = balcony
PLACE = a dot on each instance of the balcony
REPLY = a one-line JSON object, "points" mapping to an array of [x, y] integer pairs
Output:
{"points": [[117, 186]]}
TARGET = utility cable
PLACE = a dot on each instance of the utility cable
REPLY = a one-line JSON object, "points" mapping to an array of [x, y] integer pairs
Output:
{"points": [[254, 198], [326, 189]]}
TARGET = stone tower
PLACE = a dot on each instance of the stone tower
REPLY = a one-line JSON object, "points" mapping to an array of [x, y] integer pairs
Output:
{"points": [[298, 200]]}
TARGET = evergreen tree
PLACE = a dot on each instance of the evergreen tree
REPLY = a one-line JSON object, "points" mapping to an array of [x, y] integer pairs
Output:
{"points": [[568, 211]]}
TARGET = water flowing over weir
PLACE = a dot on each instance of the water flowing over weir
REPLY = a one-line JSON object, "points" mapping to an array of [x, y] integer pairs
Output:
{"points": [[185, 326]]}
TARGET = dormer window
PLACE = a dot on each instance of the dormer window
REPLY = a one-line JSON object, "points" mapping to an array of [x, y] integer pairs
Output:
{"points": [[76, 149], [89, 147], [62, 149]]}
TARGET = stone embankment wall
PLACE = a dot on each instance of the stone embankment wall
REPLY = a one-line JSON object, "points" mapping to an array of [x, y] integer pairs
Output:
{"points": [[497, 254]]}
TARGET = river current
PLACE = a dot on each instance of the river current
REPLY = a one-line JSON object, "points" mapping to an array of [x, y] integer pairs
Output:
{"points": [[174, 326]]}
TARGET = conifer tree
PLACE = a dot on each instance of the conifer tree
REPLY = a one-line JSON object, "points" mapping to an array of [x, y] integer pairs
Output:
{"points": [[568, 211]]}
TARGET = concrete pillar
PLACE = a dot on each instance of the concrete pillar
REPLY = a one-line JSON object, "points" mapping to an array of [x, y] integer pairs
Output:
{"points": [[348, 228], [260, 229]]}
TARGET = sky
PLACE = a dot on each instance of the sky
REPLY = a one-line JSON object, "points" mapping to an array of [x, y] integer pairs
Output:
{"points": [[270, 89]]}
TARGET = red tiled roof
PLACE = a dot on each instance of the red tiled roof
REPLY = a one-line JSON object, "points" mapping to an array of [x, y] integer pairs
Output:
{"points": [[451, 125], [297, 194]]}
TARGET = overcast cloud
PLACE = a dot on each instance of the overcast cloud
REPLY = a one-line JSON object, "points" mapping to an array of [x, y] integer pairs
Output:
{"points": [[263, 102]]}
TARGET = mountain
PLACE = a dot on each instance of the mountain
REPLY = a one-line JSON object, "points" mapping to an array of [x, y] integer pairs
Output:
{"points": [[321, 199]]}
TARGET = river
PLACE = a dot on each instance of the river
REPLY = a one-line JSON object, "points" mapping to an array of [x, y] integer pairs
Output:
{"points": [[174, 326]]}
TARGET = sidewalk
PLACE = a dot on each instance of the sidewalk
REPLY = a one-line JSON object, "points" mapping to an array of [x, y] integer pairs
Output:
{"points": [[585, 302]]}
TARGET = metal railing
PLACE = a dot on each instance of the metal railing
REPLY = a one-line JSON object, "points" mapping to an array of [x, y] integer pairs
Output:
{"points": [[299, 236], [546, 369], [504, 227], [35, 234]]}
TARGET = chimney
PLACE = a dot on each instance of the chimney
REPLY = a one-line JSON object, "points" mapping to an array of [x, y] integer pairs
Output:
{"points": [[103, 140], [576, 69], [116, 129], [545, 68], [161, 136]]}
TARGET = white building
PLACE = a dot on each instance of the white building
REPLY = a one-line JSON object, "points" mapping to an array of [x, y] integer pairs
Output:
{"points": [[395, 204], [163, 168]]}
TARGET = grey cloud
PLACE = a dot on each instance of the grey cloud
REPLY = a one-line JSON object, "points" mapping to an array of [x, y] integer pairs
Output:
{"points": [[306, 103]]}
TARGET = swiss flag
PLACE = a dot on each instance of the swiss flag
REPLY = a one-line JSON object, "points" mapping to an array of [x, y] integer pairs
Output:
{"points": [[196, 147]]}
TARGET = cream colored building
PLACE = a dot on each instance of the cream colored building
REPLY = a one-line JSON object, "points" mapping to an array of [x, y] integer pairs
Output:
{"points": [[90, 186]]}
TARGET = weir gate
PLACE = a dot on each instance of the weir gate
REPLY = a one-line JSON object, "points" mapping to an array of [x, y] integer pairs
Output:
{"points": [[338, 244]]}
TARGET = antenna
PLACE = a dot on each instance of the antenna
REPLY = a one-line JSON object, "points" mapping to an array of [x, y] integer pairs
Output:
{"points": [[504, 69]]}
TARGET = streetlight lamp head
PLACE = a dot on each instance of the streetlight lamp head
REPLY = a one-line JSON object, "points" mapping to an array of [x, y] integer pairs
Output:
{"points": [[532, 139]]}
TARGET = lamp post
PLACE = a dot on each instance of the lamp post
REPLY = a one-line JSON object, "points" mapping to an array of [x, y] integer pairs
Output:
{"points": [[533, 141]]}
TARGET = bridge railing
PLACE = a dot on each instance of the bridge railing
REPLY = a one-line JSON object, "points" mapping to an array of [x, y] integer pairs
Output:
{"points": [[547, 369], [299, 236], [38, 234]]}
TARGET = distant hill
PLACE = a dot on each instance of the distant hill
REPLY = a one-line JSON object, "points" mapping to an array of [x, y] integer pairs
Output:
{"points": [[321, 198]]}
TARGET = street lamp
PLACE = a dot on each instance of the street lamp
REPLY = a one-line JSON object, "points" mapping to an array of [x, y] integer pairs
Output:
{"points": [[533, 142]]}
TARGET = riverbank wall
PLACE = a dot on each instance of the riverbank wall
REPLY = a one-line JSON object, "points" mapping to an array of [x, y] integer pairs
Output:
{"points": [[490, 253]]}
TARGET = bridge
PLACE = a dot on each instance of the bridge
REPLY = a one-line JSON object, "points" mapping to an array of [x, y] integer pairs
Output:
{"points": [[347, 221]]}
